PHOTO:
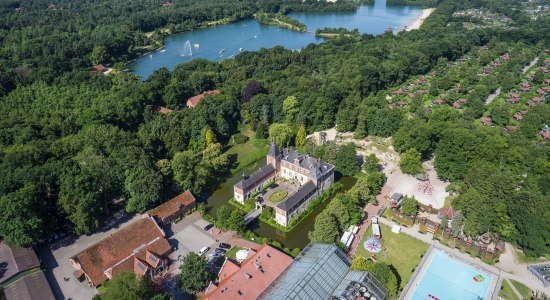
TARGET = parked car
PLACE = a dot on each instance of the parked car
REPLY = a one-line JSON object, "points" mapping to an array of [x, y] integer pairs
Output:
{"points": [[225, 246], [221, 251], [203, 250], [208, 227]]}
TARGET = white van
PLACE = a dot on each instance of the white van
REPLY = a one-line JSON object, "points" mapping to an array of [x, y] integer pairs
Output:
{"points": [[203, 250]]}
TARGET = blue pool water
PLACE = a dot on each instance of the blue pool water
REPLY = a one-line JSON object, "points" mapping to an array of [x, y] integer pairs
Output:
{"points": [[448, 279]]}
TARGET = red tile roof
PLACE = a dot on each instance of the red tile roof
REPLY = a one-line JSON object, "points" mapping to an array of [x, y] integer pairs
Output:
{"points": [[447, 211], [114, 250], [161, 109], [538, 99], [193, 101], [253, 277], [518, 117], [182, 201], [98, 68], [513, 100]]}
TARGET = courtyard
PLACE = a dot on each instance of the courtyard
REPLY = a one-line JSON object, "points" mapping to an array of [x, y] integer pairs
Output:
{"points": [[279, 191]]}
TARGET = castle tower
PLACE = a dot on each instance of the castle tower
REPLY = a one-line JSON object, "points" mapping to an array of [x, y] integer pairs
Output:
{"points": [[274, 155]]}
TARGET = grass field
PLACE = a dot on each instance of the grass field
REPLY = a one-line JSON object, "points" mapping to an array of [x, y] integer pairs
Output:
{"points": [[506, 292], [249, 152], [278, 196], [231, 253], [399, 250], [522, 289]]}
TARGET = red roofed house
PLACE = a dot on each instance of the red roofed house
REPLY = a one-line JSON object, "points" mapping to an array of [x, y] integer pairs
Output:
{"points": [[513, 100], [195, 100], [538, 99], [530, 103], [140, 246], [438, 102], [174, 208], [446, 211], [545, 132], [541, 92], [251, 278], [456, 104], [518, 117], [161, 109], [486, 121], [98, 68], [510, 128]]}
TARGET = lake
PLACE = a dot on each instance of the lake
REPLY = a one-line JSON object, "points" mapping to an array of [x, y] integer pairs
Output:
{"points": [[226, 41]]}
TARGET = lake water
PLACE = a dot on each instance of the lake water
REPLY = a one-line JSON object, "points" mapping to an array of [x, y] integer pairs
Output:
{"points": [[226, 41]]}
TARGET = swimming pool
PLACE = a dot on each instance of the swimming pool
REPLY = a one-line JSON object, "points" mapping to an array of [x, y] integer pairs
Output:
{"points": [[448, 279]]}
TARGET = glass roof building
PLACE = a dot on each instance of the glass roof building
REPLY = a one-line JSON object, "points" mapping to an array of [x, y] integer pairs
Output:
{"points": [[321, 271]]}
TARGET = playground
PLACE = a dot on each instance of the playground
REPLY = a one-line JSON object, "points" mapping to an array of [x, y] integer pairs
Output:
{"points": [[429, 190]]}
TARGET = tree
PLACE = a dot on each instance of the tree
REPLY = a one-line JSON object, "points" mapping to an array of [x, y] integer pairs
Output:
{"points": [[500, 114], [444, 222], [194, 274], [209, 136], [410, 206], [183, 166], [291, 107], [301, 136], [236, 222], [456, 225], [346, 160], [261, 132], [98, 55], [144, 185], [20, 222], [384, 273], [251, 89], [222, 217], [325, 229], [410, 162], [126, 285], [370, 163], [282, 134]]}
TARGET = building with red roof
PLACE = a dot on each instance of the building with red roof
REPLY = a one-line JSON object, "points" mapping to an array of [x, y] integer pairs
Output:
{"points": [[518, 117], [195, 100], [251, 278], [513, 100], [140, 246], [449, 212], [174, 208]]}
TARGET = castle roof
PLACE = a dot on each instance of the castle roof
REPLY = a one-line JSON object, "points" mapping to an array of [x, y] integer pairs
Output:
{"points": [[316, 168], [260, 174], [273, 150]]}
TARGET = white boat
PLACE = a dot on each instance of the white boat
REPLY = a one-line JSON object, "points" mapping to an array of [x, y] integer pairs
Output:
{"points": [[255, 36], [222, 51], [196, 45], [150, 55], [241, 49], [163, 50]]}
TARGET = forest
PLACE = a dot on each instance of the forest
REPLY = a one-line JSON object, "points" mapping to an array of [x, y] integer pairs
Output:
{"points": [[76, 146]]}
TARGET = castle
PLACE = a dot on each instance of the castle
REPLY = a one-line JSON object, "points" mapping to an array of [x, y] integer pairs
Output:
{"points": [[311, 175]]}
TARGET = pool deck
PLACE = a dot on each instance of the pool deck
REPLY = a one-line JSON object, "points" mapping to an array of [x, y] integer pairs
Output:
{"points": [[418, 274]]}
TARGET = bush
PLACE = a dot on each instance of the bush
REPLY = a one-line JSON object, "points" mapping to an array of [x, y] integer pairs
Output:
{"points": [[295, 252], [265, 240], [276, 244], [240, 138]]}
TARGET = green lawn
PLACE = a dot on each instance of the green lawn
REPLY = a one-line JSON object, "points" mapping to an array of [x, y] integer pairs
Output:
{"points": [[522, 258], [399, 250], [278, 196], [233, 252], [522, 289], [249, 152], [506, 292]]}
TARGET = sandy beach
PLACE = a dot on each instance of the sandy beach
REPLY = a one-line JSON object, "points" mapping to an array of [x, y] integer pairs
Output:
{"points": [[416, 24]]}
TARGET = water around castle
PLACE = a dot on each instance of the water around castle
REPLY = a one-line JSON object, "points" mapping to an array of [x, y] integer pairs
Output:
{"points": [[226, 41]]}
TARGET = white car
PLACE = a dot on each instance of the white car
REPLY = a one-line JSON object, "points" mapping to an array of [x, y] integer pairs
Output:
{"points": [[203, 250]]}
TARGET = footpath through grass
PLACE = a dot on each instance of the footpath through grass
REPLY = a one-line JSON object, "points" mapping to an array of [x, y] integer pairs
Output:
{"points": [[506, 292], [400, 250]]}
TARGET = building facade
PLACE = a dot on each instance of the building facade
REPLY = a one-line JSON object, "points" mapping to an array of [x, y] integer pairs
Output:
{"points": [[311, 175]]}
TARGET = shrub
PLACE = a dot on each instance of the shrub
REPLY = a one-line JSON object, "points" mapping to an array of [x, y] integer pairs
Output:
{"points": [[240, 138]]}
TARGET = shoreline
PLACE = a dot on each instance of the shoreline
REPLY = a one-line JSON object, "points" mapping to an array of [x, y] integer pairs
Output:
{"points": [[418, 22]]}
